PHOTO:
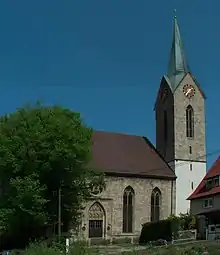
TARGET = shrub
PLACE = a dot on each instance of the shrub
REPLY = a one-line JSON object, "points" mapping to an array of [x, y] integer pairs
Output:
{"points": [[78, 249], [163, 229], [41, 249]]}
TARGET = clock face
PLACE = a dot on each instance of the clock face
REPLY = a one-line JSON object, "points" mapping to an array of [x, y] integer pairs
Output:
{"points": [[189, 91]]}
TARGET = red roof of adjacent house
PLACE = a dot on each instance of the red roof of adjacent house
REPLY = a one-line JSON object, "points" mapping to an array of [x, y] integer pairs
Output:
{"points": [[201, 190], [130, 155]]}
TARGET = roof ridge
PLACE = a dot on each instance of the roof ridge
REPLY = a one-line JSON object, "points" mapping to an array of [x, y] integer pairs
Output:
{"points": [[117, 133]]}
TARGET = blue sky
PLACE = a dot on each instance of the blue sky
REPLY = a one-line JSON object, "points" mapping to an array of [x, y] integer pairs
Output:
{"points": [[106, 58]]}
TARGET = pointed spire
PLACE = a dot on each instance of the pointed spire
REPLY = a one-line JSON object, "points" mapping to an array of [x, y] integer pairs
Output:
{"points": [[178, 66]]}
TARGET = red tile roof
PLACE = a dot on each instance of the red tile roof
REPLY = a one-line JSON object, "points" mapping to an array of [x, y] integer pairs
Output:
{"points": [[201, 190], [121, 154]]}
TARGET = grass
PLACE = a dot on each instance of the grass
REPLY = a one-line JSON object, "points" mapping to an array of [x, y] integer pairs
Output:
{"points": [[196, 248], [193, 248]]}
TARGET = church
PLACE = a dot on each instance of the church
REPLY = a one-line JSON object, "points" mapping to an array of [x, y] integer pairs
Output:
{"points": [[146, 183]]}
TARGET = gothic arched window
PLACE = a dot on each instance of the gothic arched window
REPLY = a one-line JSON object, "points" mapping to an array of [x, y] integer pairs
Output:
{"points": [[155, 204], [128, 203], [189, 121]]}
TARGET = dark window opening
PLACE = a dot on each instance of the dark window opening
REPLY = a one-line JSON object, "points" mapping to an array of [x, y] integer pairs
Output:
{"points": [[189, 122], [128, 203], [216, 181], [212, 183], [190, 149], [208, 203], [190, 167], [209, 184], [155, 205]]}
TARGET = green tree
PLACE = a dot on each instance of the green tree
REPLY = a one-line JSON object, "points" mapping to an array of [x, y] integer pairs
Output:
{"points": [[41, 150]]}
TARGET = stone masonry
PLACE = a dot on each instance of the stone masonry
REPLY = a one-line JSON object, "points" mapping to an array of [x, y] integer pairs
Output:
{"points": [[181, 143], [111, 200], [177, 146]]}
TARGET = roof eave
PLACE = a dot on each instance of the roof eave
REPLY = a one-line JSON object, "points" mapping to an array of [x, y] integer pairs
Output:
{"points": [[200, 89], [139, 175], [200, 196], [165, 77]]}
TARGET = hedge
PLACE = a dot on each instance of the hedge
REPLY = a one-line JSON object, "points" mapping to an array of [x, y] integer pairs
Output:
{"points": [[163, 229]]}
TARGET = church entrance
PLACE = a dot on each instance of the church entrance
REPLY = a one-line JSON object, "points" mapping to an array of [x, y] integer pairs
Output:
{"points": [[96, 221], [95, 228]]}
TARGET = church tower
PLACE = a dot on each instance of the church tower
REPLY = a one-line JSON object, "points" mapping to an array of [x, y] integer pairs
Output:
{"points": [[180, 123]]}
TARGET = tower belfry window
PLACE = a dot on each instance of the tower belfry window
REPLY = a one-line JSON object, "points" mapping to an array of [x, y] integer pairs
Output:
{"points": [[189, 122]]}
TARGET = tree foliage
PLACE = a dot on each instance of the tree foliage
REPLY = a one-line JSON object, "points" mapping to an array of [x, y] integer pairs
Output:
{"points": [[186, 221], [43, 149]]}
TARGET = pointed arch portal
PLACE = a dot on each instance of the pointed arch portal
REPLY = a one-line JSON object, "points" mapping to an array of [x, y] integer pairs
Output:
{"points": [[96, 220]]}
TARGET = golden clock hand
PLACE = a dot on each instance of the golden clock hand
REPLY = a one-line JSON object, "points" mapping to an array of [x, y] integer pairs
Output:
{"points": [[189, 90]]}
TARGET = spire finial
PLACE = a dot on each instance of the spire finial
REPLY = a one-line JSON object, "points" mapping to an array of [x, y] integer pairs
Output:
{"points": [[178, 66], [174, 13]]}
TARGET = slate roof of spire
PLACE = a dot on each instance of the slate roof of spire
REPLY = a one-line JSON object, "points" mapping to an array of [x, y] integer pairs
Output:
{"points": [[178, 66], [128, 155]]}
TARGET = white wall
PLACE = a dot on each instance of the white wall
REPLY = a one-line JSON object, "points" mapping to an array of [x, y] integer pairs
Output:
{"points": [[185, 177]]}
